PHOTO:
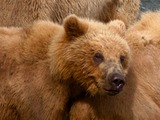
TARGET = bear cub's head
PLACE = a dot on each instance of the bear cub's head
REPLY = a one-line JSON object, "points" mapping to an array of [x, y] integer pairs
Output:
{"points": [[91, 54]]}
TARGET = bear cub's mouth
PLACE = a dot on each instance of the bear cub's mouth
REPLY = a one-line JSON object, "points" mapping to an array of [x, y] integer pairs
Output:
{"points": [[115, 90]]}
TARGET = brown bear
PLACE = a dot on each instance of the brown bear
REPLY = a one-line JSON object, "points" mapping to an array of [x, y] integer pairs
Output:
{"points": [[22, 12], [45, 66], [140, 99]]}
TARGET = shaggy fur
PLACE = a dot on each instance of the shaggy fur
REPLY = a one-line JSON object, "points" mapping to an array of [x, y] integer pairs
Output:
{"points": [[45, 66], [22, 12], [140, 99]]}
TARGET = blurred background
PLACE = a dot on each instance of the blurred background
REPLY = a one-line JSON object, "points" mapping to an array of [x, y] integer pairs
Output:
{"points": [[150, 5]]}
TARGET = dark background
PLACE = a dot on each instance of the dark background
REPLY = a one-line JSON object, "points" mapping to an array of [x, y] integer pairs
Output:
{"points": [[150, 5]]}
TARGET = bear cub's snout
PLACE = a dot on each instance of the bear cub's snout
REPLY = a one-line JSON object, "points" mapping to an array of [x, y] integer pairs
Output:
{"points": [[116, 82]]}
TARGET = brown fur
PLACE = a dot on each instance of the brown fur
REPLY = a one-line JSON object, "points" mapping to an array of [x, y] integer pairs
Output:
{"points": [[140, 99], [128, 11], [45, 66], [22, 12]]}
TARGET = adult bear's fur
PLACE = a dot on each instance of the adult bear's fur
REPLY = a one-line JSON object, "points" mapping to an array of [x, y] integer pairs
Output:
{"points": [[45, 65], [140, 99], [22, 12]]}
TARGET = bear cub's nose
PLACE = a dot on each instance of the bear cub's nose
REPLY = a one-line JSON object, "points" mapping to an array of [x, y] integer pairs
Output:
{"points": [[117, 81]]}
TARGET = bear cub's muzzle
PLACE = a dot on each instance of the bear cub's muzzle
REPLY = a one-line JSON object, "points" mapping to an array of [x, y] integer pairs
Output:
{"points": [[116, 81]]}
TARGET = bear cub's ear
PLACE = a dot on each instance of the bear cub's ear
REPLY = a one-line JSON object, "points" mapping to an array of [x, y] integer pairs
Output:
{"points": [[74, 27], [117, 26]]}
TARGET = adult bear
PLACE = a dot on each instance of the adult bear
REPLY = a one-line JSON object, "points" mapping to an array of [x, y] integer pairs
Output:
{"points": [[22, 12]]}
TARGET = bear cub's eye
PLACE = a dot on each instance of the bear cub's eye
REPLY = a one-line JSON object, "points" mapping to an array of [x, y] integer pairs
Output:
{"points": [[98, 58], [122, 58]]}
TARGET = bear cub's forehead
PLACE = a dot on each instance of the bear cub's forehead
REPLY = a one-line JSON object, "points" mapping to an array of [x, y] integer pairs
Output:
{"points": [[104, 38]]}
